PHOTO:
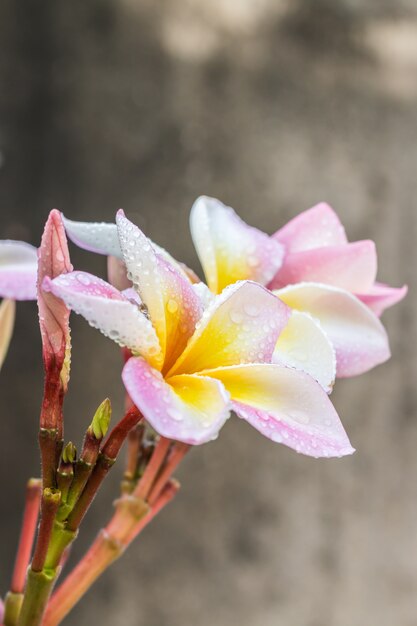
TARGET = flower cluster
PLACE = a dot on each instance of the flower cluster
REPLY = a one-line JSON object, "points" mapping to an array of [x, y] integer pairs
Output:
{"points": [[281, 317], [278, 319]]}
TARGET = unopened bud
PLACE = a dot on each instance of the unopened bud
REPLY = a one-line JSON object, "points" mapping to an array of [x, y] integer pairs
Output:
{"points": [[69, 453], [101, 420]]}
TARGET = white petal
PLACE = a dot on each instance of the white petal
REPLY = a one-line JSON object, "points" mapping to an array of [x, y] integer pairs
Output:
{"points": [[108, 310], [304, 345], [356, 333], [99, 237]]}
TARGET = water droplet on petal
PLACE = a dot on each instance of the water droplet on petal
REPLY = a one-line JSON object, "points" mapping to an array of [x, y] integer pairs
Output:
{"points": [[172, 306]]}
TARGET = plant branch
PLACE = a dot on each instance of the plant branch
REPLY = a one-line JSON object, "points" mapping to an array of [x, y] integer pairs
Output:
{"points": [[130, 518], [153, 468], [27, 534], [50, 503]]}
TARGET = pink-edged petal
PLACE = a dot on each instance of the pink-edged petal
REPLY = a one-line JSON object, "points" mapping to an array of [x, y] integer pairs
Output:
{"points": [[287, 406], [241, 325], [105, 308], [143, 269], [357, 335], [132, 295], [229, 249], [304, 345], [191, 409], [381, 297], [7, 315], [18, 270], [314, 228], [172, 303], [99, 237], [352, 266]]}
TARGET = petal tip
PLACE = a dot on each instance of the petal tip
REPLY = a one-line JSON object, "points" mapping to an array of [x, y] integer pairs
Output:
{"points": [[47, 284]]}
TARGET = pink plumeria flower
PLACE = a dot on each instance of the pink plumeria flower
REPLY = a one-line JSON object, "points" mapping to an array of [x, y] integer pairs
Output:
{"points": [[311, 267], [317, 250], [192, 366], [18, 270]]}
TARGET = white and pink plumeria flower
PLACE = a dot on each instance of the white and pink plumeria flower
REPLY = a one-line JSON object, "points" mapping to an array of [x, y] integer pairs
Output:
{"points": [[310, 266], [18, 271], [195, 361], [302, 344]]}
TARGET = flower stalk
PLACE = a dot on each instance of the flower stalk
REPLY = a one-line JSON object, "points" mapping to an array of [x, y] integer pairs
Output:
{"points": [[105, 461], [133, 511], [27, 535], [131, 516], [39, 587], [40, 578], [14, 597]]}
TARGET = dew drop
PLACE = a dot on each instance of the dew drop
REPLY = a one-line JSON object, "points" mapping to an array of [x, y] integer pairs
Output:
{"points": [[83, 279], [175, 414], [236, 317], [172, 306], [251, 309]]}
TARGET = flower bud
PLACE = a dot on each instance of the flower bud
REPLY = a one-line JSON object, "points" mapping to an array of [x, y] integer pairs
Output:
{"points": [[101, 420]]}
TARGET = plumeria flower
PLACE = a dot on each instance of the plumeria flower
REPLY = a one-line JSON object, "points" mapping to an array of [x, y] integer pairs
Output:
{"points": [[317, 250], [303, 344], [192, 364], [311, 267], [18, 270]]}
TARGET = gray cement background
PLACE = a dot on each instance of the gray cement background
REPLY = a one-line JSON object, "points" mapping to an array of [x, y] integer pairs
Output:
{"points": [[272, 106]]}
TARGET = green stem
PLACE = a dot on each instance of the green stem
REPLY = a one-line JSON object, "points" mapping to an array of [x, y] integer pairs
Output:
{"points": [[12, 606], [38, 589], [82, 473], [60, 539]]}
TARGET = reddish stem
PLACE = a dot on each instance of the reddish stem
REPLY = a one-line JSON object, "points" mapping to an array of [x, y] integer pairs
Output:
{"points": [[48, 447], [152, 469], [168, 492], [178, 452], [52, 398], [27, 534], [100, 471], [105, 549], [50, 503], [134, 441], [119, 433], [105, 461]]}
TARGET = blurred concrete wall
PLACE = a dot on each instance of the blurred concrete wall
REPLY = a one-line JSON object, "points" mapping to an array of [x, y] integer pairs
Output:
{"points": [[271, 106]]}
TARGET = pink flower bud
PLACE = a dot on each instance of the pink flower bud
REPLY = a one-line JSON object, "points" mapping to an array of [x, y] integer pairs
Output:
{"points": [[53, 314]]}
